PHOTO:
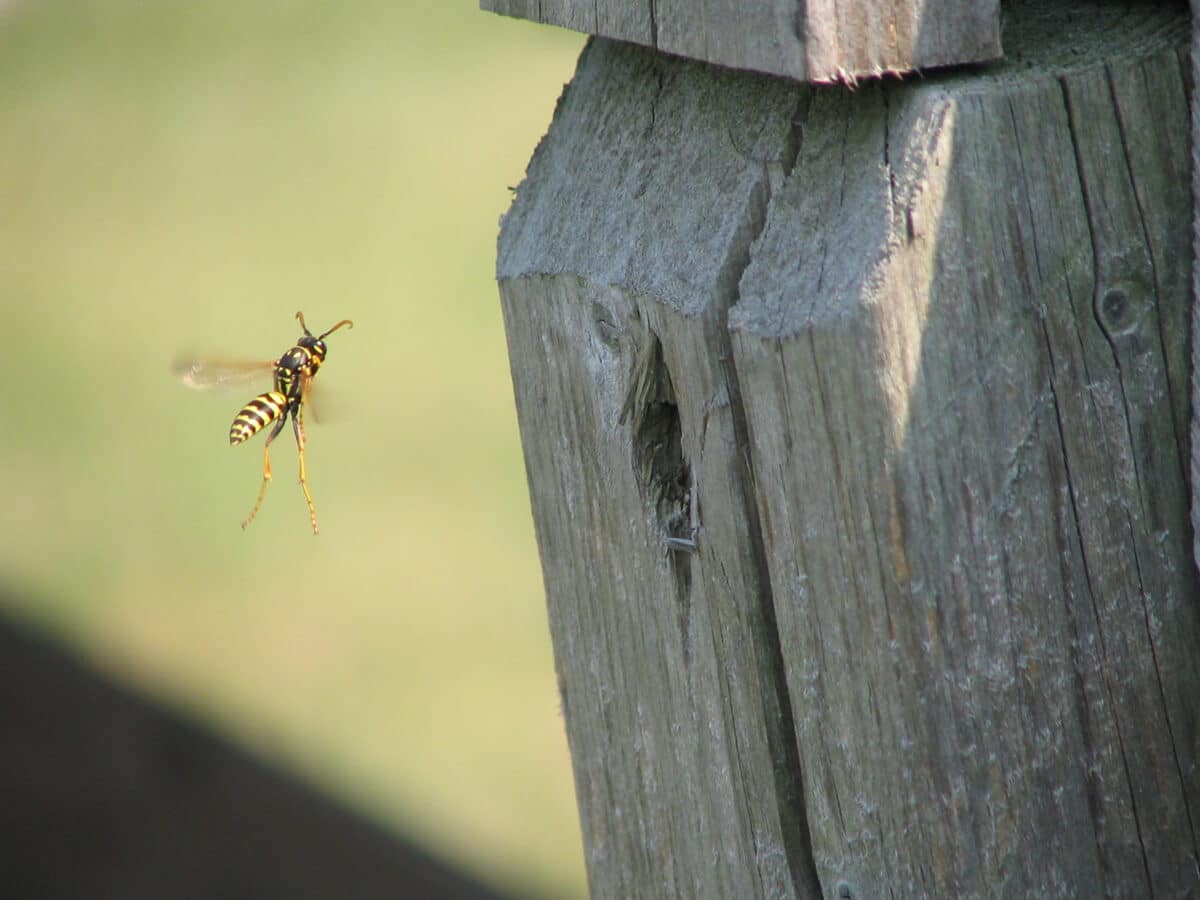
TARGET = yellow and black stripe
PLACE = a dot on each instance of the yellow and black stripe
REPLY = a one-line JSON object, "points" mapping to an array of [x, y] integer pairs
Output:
{"points": [[257, 415]]}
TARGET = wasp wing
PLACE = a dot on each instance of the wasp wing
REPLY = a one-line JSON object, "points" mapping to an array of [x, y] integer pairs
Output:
{"points": [[214, 372], [309, 395], [325, 404]]}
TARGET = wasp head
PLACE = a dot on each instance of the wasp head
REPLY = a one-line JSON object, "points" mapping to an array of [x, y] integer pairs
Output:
{"points": [[316, 343]]}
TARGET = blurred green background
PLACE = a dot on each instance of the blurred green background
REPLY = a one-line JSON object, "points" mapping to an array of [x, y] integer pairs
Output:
{"points": [[179, 179]]}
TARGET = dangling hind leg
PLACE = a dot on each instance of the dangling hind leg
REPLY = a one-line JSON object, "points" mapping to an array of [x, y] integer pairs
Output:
{"points": [[262, 490], [298, 427]]}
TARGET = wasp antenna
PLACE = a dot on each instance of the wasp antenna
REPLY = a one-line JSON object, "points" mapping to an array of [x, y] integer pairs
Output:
{"points": [[300, 318], [345, 322]]}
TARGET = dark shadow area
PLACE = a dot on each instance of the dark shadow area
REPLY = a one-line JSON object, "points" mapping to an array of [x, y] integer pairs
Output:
{"points": [[104, 794]]}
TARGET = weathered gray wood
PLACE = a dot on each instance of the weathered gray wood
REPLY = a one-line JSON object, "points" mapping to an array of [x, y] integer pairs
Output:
{"points": [[672, 687], [1195, 321], [969, 432], [913, 358], [823, 40]]}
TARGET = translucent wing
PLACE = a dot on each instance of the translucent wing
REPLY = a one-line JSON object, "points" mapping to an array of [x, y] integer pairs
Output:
{"points": [[315, 404], [306, 397], [203, 374]]}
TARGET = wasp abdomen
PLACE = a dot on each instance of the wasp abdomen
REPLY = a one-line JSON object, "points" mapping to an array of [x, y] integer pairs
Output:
{"points": [[257, 415]]}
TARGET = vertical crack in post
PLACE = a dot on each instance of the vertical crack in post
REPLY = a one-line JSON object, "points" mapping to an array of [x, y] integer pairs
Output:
{"points": [[793, 143], [777, 705], [1090, 218], [1178, 429]]}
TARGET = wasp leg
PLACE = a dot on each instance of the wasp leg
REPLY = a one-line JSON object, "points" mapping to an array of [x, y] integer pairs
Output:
{"points": [[298, 427], [262, 491]]}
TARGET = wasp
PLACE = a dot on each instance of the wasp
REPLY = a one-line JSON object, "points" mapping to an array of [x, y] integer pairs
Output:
{"points": [[293, 373]]}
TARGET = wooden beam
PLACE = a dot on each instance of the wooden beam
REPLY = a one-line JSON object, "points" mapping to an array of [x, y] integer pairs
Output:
{"points": [[1195, 320], [823, 40], [855, 425]]}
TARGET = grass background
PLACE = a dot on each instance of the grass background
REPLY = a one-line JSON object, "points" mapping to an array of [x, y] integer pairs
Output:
{"points": [[179, 179]]}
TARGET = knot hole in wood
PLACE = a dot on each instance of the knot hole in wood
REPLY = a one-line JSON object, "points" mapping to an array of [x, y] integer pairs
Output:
{"points": [[663, 476], [1120, 308]]}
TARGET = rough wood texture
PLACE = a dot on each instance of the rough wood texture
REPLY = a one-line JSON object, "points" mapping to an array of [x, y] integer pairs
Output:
{"points": [[822, 40], [970, 435], [685, 758], [1195, 432], [908, 365]]}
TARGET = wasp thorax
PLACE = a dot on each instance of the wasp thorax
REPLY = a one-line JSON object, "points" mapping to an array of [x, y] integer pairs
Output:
{"points": [[295, 358]]}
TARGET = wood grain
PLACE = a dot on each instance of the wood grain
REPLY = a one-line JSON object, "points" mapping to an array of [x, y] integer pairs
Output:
{"points": [[823, 40], [1195, 318], [979, 525], [673, 690], [908, 366]]}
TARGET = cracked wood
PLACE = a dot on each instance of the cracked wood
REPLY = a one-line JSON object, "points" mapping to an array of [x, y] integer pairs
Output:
{"points": [[913, 358], [673, 687]]}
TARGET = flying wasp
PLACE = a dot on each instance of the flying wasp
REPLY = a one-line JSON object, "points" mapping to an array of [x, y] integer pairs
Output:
{"points": [[293, 373]]}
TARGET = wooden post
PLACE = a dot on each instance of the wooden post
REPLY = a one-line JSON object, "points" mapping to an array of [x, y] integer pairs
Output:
{"points": [[856, 425], [1195, 322]]}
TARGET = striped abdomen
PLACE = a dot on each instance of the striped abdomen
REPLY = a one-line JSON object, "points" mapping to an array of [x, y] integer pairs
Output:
{"points": [[257, 415]]}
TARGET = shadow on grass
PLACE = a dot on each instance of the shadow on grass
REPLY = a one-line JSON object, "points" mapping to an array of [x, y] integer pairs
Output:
{"points": [[104, 794]]}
